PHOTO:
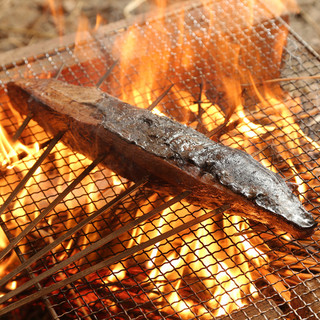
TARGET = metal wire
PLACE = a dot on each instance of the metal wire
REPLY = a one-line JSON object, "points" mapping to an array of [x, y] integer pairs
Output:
{"points": [[152, 282]]}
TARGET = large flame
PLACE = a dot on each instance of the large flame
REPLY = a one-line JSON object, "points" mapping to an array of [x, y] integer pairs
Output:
{"points": [[150, 60], [219, 261]]}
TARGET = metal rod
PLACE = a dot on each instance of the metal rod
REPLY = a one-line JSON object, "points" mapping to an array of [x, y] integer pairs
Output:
{"points": [[155, 102], [106, 75], [200, 125], [199, 101], [93, 247], [107, 262], [51, 206], [72, 231], [24, 180], [29, 270], [22, 259], [57, 75], [10, 237], [315, 77], [22, 127]]}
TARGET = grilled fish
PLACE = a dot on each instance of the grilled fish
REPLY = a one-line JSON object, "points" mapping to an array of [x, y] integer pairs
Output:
{"points": [[138, 143]]}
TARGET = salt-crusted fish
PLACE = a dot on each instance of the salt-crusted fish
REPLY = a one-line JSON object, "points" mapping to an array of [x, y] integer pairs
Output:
{"points": [[138, 143]]}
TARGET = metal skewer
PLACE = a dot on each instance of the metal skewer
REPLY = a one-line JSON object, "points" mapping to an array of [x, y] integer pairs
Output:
{"points": [[22, 127], [94, 246], [155, 102], [8, 234], [29, 270], [106, 75], [30, 172], [102, 264], [277, 80], [72, 231], [51, 206]]}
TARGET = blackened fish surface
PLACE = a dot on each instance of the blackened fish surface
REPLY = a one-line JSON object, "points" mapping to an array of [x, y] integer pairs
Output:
{"points": [[138, 143]]}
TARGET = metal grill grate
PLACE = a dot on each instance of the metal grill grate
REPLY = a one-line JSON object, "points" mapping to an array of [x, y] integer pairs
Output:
{"points": [[225, 265]]}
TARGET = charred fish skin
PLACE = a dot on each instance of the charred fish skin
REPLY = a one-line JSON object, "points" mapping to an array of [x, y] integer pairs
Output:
{"points": [[176, 157], [231, 168]]}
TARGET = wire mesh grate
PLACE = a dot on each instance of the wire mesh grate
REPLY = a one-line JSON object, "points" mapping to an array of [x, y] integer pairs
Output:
{"points": [[224, 267]]}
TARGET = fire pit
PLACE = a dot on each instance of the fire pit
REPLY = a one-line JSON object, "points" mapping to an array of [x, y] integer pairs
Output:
{"points": [[112, 249]]}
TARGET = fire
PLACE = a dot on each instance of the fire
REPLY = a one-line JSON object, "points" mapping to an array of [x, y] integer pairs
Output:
{"points": [[153, 59], [211, 269], [12, 151], [57, 14], [206, 252], [47, 183], [9, 152]]}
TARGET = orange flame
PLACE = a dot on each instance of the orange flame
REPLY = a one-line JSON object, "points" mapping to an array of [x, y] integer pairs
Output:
{"points": [[218, 252], [151, 56], [10, 151], [49, 180], [57, 14]]}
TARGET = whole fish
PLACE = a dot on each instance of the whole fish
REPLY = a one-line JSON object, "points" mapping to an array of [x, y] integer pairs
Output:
{"points": [[138, 143]]}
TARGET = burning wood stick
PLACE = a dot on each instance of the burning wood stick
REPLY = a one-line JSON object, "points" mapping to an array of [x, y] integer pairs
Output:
{"points": [[175, 157], [109, 261], [122, 255]]}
